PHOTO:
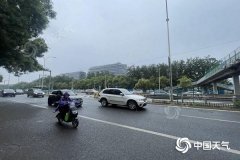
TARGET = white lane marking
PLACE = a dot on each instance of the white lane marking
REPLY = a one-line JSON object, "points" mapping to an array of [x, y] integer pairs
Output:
{"points": [[153, 133], [210, 109], [35, 105], [199, 108], [213, 119], [40, 121], [39, 106]]}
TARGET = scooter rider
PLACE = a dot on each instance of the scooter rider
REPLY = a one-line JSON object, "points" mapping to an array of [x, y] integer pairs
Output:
{"points": [[63, 105]]}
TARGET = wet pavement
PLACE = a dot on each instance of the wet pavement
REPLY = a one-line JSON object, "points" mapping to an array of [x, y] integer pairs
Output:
{"points": [[29, 130]]}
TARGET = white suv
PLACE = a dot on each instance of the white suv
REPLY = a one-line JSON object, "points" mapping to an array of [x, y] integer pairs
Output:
{"points": [[121, 96]]}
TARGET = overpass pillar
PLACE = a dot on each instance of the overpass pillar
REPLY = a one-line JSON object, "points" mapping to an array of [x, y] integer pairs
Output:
{"points": [[236, 85], [215, 91]]}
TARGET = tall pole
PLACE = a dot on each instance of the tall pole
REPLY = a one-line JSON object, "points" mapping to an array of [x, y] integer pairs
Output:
{"points": [[43, 70], [169, 55], [49, 83], [105, 81], [8, 80], [4, 84], [44, 61], [159, 80], [72, 85], [39, 80]]}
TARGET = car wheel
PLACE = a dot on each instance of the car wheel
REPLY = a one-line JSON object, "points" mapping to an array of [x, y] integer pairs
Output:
{"points": [[55, 104], [132, 105], [104, 103], [49, 102]]}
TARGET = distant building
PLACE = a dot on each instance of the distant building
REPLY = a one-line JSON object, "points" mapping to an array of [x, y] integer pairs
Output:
{"points": [[115, 69], [76, 75]]}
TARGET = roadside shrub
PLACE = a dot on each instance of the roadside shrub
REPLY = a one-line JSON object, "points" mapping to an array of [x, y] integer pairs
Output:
{"points": [[237, 103]]}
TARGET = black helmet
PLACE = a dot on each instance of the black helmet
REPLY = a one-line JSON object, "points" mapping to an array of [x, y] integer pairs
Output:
{"points": [[66, 94]]}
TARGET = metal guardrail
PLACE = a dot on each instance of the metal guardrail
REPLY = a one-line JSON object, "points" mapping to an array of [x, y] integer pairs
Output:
{"points": [[224, 63], [229, 87]]}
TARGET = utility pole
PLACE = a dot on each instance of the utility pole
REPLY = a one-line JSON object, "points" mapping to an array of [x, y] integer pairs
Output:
{"points": [[8, 80], [4, 84], [105, 81], [72, 85], [44, 61], [169, 55], [49, 83], [43, 70], [159, 80], [39, 80]]}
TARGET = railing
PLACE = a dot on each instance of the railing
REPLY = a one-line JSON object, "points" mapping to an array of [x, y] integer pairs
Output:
{"points": [[224, 63], [229, 87]]}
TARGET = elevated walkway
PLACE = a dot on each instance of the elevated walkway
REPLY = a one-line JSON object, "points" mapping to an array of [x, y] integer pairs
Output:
{"points": [[227, 68]]}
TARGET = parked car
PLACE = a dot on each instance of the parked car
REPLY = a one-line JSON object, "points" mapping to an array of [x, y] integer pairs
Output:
{"points": [[120, 96], [91, 91], [35, 93], [55, 96], [191, 93], [162, 94], [8, 93], [19, 91], [138, 91]]}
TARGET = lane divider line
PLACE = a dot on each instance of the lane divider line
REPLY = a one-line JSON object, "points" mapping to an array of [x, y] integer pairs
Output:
{"points": [[213, 119], [152, 132], [35, 105], [210, 109]]}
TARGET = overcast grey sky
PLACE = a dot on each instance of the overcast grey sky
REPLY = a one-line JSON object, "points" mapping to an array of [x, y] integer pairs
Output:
{"points": [[86, 33]]}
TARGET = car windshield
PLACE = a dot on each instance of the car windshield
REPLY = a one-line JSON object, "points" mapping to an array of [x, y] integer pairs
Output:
{"points": [[37, 90], [71, 93], [126, 92], [161, 91], [9, 90]]}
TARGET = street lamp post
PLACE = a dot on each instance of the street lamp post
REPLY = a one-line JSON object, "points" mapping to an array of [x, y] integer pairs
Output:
{"points": [[8, 80], [4, 83], [49, 83], [105, 82], [44, 61], [169, 55], [43, 71], [159, 79]]}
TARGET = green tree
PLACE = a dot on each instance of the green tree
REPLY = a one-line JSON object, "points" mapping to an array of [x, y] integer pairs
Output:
{"points": [[1, 78], [197, 67], [22, 21], [143, 84], [164, 81], [185, 82]]}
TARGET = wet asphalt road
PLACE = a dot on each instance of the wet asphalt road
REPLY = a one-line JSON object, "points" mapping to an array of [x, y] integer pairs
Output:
{"points": [[29, 130]]}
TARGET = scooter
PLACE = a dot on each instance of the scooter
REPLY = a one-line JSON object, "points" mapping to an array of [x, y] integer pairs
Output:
{"points": [[70, 116]]}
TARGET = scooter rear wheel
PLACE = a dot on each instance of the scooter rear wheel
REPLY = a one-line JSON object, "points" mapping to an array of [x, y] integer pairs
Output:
{"points": [[75, 123], [59, 119]]}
